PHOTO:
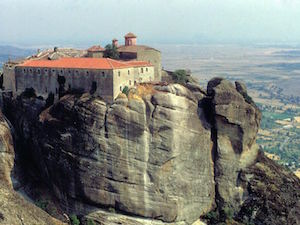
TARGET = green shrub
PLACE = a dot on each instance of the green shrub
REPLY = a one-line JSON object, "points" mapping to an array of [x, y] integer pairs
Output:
{"points": [[212, 216], [179, 76], [90, 222], [125, 90], [74, 220], [42, 204], [228, 212]]}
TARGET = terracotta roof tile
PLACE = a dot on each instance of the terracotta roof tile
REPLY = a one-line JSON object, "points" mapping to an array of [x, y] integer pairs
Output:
{"points": [[130, 35], [96, 48], [84, 63]]}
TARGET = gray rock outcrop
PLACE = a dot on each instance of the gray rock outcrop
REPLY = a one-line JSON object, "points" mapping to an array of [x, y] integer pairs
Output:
{"points": [[164, 154], [236, 122]]}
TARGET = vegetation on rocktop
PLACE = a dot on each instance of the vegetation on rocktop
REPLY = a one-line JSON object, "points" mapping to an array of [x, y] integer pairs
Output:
{"points": [[111, 51], [180, 76]]}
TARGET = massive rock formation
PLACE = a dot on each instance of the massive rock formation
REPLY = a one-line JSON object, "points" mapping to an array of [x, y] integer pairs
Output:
{"points": [[164, 154], [235, 125], [14, 209]]}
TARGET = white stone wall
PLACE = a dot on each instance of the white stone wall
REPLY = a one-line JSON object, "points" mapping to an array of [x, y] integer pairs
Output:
{"points": [[121, 78], [109, 82]]}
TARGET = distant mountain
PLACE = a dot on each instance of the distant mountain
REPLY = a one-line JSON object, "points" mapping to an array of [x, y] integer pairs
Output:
{"points": [[11, 52]]}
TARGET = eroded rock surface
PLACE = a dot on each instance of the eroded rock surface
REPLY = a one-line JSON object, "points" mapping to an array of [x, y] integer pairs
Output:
{"points": [[164, 154], [7, 153], [148, 156], [236, 122]]}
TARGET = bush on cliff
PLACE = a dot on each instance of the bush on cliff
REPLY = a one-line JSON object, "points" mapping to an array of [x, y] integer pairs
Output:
{"points": [[74, 220], [180, 76]]}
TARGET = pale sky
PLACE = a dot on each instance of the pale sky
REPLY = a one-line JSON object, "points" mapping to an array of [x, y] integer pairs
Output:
{"points": [[80, 22]]}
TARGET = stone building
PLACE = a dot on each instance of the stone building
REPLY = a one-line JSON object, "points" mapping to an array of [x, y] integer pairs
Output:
{"points": [[106, 77], [131, 51], [95, 51]]}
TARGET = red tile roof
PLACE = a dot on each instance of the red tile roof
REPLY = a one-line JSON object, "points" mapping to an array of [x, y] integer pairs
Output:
{"points": [[130, 35], [84, 63], [96, 48]]}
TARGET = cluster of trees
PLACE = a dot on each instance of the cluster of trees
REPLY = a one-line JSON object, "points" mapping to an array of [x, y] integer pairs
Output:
{"points": [[111, 51]]}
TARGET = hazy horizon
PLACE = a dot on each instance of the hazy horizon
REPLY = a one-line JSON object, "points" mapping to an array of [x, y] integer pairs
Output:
{"points": [[76, 23]]}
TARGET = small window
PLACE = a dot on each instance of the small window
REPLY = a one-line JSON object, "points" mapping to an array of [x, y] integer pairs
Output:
{"points": [[87, 72], [129, 82], [120, 88], [46, 71], [69, 86], [61, 71], [119, 73], [135, 82], [146, 69], [24, 70], [69, 71], [142, 70], [128, 72], [46, 90], [53, 71], [39, 71], [103, 74], [30, 70]]}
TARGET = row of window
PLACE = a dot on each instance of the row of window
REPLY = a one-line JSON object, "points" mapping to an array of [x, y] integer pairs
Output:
{"points": [[38, 71], [142, 69]]}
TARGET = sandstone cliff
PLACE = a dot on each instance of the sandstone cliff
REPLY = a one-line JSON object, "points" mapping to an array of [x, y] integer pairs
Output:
{"points": [[14, 209], [164, 154]]}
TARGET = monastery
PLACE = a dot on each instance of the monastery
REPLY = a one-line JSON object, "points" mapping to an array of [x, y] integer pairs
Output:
{"points": [[87, 72]]}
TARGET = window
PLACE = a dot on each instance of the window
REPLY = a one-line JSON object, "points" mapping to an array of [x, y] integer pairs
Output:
{"points": [[135, 82], [39, 71], [61, 71], [119, 73], [24, 70], [30, 70], [103, 74], [129, 82], [87, 72], [128, 72], [146, 69], [46, 90], [142, 70], [69, 71], [120, 88], [45, 70], [53, 71]]}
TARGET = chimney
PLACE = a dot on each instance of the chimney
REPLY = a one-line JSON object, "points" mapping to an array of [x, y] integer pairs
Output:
{"points": [[115, 42]]}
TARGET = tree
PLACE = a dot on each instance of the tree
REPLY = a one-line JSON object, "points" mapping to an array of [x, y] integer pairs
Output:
{"points": [[74, 220], [111, 51], [180, 76]]}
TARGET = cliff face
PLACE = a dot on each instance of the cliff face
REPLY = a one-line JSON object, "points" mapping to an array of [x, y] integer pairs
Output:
{"points": [[14, 209], [168, 153]]}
